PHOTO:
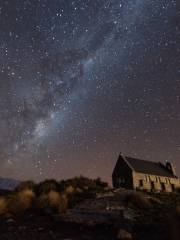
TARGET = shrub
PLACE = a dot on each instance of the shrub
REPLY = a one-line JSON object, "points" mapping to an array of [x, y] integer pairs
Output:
{"points": [[3, 205], [99, 183], [42, 201], [52, 201], [76, 195], [20, 201], [25, 186], [72, 195], [50, 195], [63, 205], [88, 185], [46, 186], [70, 190]]}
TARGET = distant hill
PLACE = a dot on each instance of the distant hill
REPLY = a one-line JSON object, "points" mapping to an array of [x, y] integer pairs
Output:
{"points": [[8, 183]]}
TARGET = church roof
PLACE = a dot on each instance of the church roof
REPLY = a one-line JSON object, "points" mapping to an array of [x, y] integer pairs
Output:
{"points": [[148, 167]]}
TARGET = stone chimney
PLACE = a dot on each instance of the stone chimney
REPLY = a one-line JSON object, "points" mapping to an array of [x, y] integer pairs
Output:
{"points": [[171, 168]]}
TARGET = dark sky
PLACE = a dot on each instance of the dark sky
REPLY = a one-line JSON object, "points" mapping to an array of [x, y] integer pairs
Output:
{"points": [[82, 80]]}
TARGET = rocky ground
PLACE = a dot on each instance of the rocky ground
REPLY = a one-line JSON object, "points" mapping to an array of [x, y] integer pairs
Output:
{"points": [[114, 215]]}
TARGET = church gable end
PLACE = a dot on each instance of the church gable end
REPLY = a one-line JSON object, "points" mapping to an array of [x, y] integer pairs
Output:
{"points": [[122, 174]]}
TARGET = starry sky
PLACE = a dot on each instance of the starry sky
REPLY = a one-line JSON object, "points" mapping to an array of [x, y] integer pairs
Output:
{"points": [[82, 81]]}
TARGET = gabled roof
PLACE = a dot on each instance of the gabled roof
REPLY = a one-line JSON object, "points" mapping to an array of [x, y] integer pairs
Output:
{"points": [[148, 167]]}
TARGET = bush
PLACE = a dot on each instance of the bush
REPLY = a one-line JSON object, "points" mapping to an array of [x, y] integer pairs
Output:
{"points": [[20, 201], [25, 186], [64, 204], [42, 201], [70, 190], [46, 186], [49, 195], [80, 188], [3, 206], [54, 199], [76, 194], [52, 202], [99, 183], [84, 183]]}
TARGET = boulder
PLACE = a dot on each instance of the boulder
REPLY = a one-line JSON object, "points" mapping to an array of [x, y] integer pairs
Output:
{"points": [[10, 220], [124, 235]]}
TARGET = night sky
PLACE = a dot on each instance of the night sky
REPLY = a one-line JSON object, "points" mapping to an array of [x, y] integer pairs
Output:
{"points": [[82, 81]]}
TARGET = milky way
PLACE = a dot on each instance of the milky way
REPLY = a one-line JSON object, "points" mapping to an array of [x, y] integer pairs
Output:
{"points": [[82, 80]]}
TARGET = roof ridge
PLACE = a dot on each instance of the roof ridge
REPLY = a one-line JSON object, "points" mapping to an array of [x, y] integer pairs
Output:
{"points": [[143, 160], [149, 167], [125, 159]]}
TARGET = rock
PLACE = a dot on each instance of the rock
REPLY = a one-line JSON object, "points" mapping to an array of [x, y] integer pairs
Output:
{"points": [[51, 232], [10, 220], [22, 227], [104, 195], [129, 214], [124, 235], [40, 229]]}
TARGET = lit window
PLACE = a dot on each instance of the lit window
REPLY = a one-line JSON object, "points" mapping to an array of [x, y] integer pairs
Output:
{"points": [[167, 180]]}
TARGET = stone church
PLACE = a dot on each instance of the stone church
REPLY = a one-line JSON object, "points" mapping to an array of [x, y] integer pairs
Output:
{"points": [[132, 173]]}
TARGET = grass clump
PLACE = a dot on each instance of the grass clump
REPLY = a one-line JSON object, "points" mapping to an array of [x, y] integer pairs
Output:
{"points": [[52, 201], [3, 206], [20, 201], [25, 185], [49, 196], [91, 185], [46, 186]]}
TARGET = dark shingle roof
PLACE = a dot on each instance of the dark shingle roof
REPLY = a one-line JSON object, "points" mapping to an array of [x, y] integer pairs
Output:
{"points": [[149, 167]]}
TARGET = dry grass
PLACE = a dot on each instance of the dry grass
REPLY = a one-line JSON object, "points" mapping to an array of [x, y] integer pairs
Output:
{"points": [[70, 190], [63, 205], [42, 201], [20, 201], [26, 185], [3, 205], [58, 201], [49, 196], [52, 200]]}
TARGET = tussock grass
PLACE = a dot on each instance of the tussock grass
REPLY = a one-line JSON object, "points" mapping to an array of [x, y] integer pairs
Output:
{"points": [[25, 185], [54, 198], [3, 206], [52, 201], [63, 204], [20, 201], [47, 186], [70, 190], [49, 196]]}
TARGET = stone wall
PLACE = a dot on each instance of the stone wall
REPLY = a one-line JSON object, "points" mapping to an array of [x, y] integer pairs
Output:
{"points": [[156, 183]]}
